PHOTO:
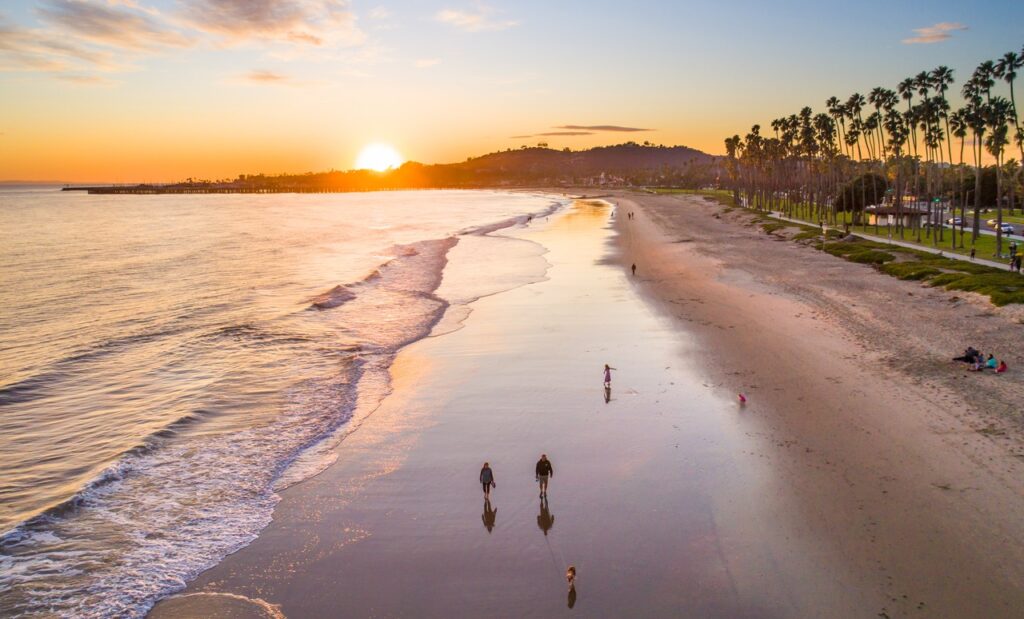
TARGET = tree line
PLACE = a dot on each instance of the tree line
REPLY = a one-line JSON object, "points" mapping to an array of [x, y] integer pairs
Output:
{"points": [[903, 148]]}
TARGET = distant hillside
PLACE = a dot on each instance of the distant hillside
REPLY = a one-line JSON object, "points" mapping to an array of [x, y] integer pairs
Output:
{"points": [[622, 159], [620, 165]]}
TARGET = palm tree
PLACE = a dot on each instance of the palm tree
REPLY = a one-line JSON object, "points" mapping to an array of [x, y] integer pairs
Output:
{"points": [[958, 123], [942, 78], [854, 105], [906, 88], [1007, 68], [999, 113], [975, 115]]}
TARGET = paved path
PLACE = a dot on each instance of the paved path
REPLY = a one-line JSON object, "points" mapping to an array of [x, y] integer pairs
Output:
{"points": [[879, 239]]}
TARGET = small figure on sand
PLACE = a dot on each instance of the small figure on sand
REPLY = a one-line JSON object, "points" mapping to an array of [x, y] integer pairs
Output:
{"points": [[487, 479], [608, 376], [570, 576], [742, 398], [544, 471], [634, 269], [489, 516]]}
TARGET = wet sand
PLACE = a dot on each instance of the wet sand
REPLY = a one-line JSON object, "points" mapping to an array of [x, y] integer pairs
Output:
{"points": [[829, 494]]}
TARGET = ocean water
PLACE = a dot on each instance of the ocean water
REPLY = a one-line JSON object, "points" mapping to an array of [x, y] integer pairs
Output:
{"points": [[168, 363]]}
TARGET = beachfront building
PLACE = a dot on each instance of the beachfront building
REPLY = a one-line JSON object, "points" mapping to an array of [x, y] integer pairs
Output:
{"points": [[889, 215]]}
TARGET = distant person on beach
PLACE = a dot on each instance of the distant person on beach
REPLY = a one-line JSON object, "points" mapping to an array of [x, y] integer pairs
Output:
{"points": [[544, 471], [991, 363], [1001, 367], [969, 355], [634, 269], [608, 376], [489, 516], [487, 479]]}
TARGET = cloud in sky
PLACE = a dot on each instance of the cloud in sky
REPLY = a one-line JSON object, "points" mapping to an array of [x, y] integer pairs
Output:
{"points": [[380, 12], [935, 33], [312, 22], [27, 49], [110, 25], [551, 133], [73, 40], [479, 20], [425, 63], [263, 76], [602, 128]]}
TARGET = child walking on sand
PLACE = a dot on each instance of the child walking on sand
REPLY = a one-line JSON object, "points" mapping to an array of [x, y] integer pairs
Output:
{"points": [[608, 375]]}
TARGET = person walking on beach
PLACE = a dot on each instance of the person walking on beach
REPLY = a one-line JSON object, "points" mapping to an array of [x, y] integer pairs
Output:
{"points": [[544, 471], [487, 479], [608, 376], [634, 269]]}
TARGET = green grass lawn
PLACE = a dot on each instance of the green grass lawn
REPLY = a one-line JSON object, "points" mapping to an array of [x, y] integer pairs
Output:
{"points": [[1002, 287]]}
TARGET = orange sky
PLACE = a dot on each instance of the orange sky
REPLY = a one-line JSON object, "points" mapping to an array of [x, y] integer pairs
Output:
{"points": [[162, 90]]}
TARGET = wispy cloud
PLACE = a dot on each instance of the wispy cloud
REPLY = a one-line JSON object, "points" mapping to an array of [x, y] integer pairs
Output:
{"points": [[481, 19], [83, 79], [309, 22], [935, 33], [123, 26], [602, 128], [426, 63], [28, 49], [263, 76], [551, 133], [380, 12], [74, 40]]}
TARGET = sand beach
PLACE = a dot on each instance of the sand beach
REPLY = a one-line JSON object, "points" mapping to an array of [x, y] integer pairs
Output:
{"points": [[846, 486]]}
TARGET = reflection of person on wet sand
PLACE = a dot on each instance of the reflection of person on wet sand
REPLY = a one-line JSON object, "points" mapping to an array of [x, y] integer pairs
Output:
{"points": [[572, 596], [544, 519], [488, 516], [607, 394]]}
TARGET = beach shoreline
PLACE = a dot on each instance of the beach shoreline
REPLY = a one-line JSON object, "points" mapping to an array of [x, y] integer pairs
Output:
{"points": [[886, 422], [837, 489]]}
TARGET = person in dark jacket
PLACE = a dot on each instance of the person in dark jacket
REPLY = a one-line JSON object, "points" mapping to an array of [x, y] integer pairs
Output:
{"points": [[544, 471], [487, 479]]}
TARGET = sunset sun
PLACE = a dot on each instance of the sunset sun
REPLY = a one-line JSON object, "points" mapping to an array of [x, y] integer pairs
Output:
{"points": [[378, 157]]}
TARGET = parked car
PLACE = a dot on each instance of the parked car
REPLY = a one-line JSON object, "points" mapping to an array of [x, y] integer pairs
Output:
{"points": [[1006, 229]]}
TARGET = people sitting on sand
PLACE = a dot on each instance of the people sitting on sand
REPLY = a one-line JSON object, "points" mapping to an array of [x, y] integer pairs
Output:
{"points": [[1001, 367], [969, 355], [991, 363]]}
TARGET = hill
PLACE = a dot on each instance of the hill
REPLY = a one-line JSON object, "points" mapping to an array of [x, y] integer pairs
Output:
{"points": [[619, 165]]}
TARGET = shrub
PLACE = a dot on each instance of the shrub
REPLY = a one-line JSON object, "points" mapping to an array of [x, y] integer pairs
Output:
{"points": [[872, 256]]}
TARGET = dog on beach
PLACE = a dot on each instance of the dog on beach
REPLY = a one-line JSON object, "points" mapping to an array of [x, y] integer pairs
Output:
{"points": [[570, 576]]}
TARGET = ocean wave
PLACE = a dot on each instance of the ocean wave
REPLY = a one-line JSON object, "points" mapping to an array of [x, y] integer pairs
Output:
{"points": [[38, 384], [332, 298], [180, 501]]}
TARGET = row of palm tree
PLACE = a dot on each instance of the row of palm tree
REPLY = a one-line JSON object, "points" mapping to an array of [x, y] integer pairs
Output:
{"points": [[887, 147]]}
